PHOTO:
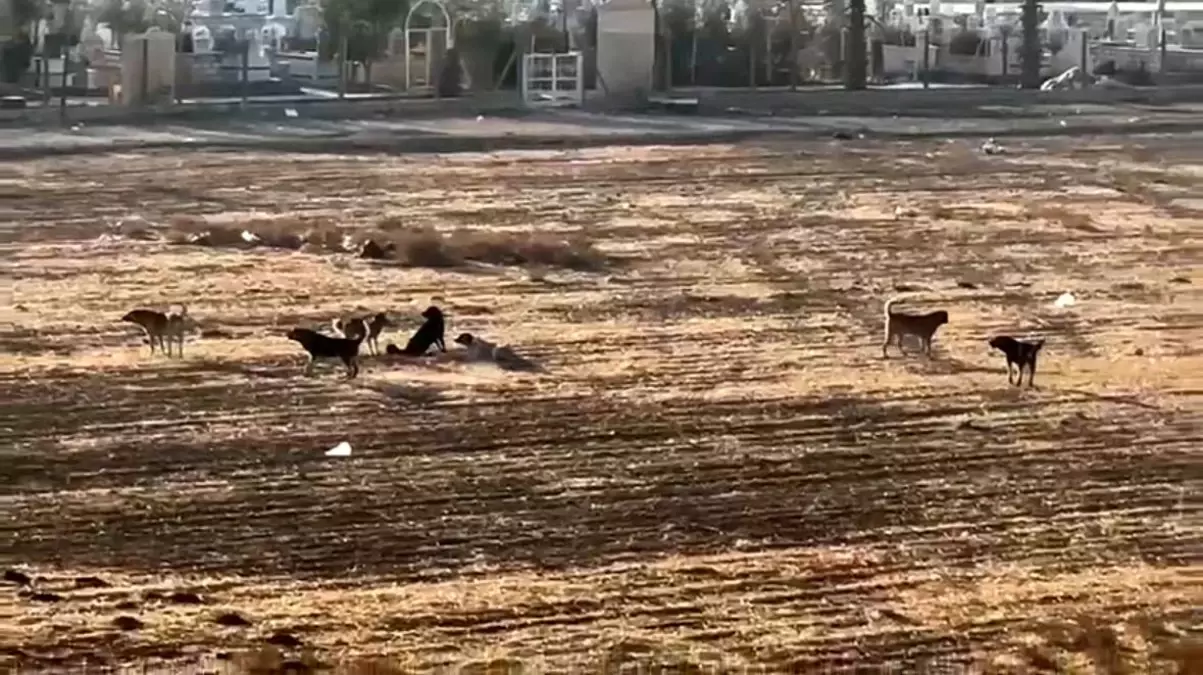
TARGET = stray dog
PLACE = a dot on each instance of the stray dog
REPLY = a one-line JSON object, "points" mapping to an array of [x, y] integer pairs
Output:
{"points": [[922, 326], [1019, 353], [161, 327], [480, 349], [428, 334], [368, 328], [325, 347]]}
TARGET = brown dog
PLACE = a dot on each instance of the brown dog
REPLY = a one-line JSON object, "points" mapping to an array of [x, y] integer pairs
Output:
{"points": [[161, 327], [922, 326]]}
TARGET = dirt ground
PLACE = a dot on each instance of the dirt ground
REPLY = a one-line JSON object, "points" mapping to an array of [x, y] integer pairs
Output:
{"points": [[717, 471]]}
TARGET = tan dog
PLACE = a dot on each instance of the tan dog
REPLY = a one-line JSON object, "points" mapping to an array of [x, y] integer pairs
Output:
{"points": [[161, 327], [901, 324], [367, 328]]}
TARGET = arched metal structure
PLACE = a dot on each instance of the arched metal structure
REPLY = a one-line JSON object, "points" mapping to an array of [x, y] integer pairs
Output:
{"points": [[427, 33]]}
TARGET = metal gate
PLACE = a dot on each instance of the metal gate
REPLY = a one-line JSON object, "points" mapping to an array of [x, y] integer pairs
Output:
{"points": [[552, 80]]}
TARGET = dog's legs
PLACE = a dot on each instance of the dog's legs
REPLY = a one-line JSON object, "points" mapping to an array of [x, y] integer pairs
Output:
{"points": [[352, 365], [150, 338], [885, 345], [309, 366], [1032, 372], [180, 346]]}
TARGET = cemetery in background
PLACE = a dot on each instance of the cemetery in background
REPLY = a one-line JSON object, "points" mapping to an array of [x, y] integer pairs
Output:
{"points": [[153, 54]]}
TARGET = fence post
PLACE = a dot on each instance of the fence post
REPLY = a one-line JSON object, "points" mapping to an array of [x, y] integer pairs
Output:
{"points": [[245, 74], [926, 56], [45, 79], [145, 74], [62, 101], [342, 62]]}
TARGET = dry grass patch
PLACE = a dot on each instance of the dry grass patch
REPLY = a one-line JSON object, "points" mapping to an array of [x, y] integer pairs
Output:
{"points": [[410, 246]]}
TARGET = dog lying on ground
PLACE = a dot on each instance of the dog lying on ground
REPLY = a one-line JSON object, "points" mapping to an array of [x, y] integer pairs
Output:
{"points": [[477, 348], [480, 349], [161, 327], [901, 324], [320, 346], [368, 328], [430, 333], [1019, 353]]}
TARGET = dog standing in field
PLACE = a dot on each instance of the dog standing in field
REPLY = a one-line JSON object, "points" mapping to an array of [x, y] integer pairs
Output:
{"points": [[161, 327], [320, 346], [370, 326], [431, 333], [901, 324], [1019, 353]]}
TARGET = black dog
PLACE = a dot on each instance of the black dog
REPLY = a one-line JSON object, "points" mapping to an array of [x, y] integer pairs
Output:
{"points": [[325, 347], [1019, 353], [429, 333]]}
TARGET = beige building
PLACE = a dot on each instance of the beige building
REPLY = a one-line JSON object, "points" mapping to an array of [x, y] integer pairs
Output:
{"points": [[626, 46]]}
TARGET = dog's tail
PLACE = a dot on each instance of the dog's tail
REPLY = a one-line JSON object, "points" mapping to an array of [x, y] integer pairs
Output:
{"points": [[1037, 344], [336, 324], [890, 306]]}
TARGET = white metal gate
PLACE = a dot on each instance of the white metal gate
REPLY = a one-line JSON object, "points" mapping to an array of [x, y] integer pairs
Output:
{"points": [[552, 80]]}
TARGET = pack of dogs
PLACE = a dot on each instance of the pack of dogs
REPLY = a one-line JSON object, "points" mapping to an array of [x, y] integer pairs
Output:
{"points": [[166, 328]]}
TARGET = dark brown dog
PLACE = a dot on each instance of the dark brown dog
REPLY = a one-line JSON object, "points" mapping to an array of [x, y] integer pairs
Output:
{"points": [[325, 347], [1019, 353], [161, 327], [429, 334], [901, 324]]}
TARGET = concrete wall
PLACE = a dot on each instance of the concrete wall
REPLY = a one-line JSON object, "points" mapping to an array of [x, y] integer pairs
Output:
{"points": [[159, 67], [896, 58], [626, 46]]}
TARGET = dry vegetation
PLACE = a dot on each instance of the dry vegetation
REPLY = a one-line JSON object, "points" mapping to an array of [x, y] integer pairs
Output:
{"points": [[394, 239], [717, 472]]}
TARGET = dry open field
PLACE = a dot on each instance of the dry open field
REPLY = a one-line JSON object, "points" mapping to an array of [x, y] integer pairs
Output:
{"points": [[717, 472]]}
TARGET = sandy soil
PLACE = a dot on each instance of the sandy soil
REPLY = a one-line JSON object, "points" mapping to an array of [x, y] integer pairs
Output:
{"points": [[717, 470]]}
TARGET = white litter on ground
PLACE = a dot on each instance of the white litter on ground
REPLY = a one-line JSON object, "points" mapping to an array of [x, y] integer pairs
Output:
{"points": [[341, 450], [1065, 300], [992, 148], [290, 112]]}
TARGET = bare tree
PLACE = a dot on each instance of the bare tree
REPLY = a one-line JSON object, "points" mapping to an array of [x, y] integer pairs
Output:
{"points": [[126, 17]]}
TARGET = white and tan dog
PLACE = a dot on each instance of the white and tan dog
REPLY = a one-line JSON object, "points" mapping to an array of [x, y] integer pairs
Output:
{"points": [[480, 349], [367, 328]]}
